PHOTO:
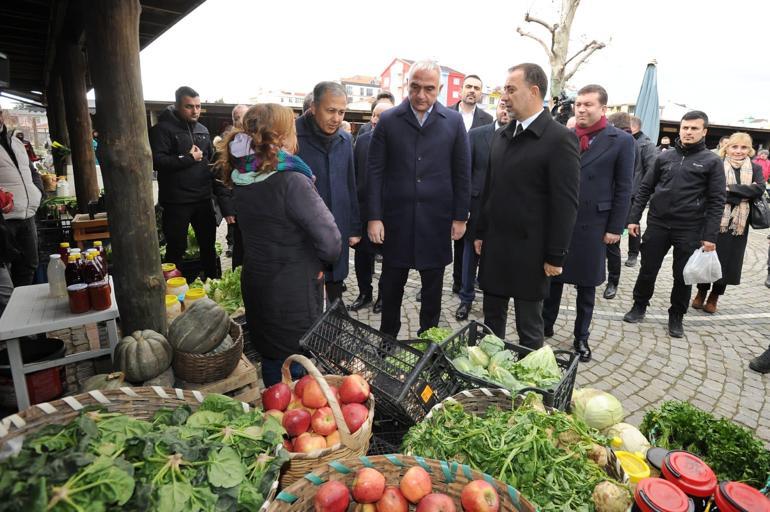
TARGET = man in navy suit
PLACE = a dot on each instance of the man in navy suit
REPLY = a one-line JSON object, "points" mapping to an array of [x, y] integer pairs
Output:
{"points": [[481, 144], [418, 194], [606, 169]]}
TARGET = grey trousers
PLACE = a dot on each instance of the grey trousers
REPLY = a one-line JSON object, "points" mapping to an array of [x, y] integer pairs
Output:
{"points": [[6, 288]]}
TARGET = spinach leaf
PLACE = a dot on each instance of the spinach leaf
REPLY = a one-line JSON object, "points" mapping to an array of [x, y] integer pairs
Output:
{"points": [[225, 468]]}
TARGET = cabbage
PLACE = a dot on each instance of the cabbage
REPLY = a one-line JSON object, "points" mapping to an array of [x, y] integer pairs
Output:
{"points": [[503, 359], [491, 345], [503, 377], [598, 409], [540, 367], [478, 357], [463, 364], [631, 440]]}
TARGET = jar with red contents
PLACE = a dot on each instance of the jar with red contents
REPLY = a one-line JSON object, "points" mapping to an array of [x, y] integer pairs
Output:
{"points": [[99, 295], [692, 475], [78, 298], [659, 495], [739, 497]]}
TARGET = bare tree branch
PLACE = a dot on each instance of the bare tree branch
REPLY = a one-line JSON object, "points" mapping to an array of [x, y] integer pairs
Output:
{"points": [[551, 28], [542, 43], [593, 47]]}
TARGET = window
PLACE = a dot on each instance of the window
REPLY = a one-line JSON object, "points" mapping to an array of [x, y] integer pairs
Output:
{"points": [[455, 94], [360, 91], [369, 91], [456, 81], [349, 89], [386, 81]]}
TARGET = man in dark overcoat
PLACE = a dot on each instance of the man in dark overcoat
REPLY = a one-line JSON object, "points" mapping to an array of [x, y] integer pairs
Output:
{"points": [[418, 194], [528, 207], [606, 171]]}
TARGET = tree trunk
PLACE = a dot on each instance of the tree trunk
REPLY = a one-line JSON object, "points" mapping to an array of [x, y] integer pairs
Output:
{"points": [[112, 35], [79, 125], [57, 121]]}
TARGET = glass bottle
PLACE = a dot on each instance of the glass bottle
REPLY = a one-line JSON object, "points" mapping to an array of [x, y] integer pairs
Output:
{"points": [[57, 284]]}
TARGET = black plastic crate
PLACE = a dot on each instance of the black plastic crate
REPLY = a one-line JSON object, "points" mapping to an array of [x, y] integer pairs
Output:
{"points": [[558, 397], [405, 381], [50, 233]]}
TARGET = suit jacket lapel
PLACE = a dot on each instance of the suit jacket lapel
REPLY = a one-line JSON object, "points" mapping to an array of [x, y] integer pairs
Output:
{"points": [[602, 142], [405, 112]]}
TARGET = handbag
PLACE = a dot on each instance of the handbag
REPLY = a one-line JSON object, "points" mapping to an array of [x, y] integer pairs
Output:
{"points": [[759, 213]]}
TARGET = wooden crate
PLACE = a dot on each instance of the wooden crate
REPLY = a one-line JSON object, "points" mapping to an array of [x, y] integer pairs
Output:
{"points": [[244, 383]]}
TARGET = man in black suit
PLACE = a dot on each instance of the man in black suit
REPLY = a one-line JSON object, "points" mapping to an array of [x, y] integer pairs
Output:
{"points": [[528, 208], [481, 142]]}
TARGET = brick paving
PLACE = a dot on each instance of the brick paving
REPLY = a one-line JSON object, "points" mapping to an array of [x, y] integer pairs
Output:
{"points": [[640, 363]]}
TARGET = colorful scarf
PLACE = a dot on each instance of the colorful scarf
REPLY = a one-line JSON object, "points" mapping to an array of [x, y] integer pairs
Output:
{"points": [[734, 217], [247, 164], [584, 134]]}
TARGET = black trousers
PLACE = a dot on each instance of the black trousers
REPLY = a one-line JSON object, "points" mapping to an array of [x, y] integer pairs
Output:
{"points": [[176, 218], [457, 263], [392, 283], [529, 318], [237, 244], [586, 297], [364, 267], [24, 234], [656, 242], [716, 289], [634, 243], [613, 263], [333, 291]]}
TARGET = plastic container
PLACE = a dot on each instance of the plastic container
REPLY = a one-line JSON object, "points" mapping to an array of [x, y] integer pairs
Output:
{"points": [[192, 295], [78, 298], [170, 270], [62, 187], [99, 295], [64, 250], [173, 308], [43, 385], [655, 457], [72, 271], [90, 271], [634, 466], [57, 282], [691, 475], [659, 495], [739, 497], [176, 286]]}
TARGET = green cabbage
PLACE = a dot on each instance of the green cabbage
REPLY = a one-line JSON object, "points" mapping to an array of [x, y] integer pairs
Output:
{"points": [[597, 408], [504, 378], [539, 368], [478, 357], [463, 364], [491, 345]]}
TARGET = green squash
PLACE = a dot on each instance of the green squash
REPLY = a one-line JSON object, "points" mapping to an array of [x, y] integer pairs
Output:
{"points": [[143, 355], [200, 328], [113, 380]]}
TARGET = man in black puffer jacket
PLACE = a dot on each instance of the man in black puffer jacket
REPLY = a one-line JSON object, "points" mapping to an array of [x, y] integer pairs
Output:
{"points": [[687, 186], [181, 153]]}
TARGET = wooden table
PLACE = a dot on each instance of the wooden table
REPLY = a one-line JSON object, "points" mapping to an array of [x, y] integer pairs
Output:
{"points": [[85, 228], [31, 311]]}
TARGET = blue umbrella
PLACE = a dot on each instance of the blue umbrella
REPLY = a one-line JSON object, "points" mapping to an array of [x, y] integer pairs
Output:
{"points": [[647, 108]]}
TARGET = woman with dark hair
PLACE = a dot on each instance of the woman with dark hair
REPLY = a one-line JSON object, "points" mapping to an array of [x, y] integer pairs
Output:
{"points": [[289, 235], [744, 184]]}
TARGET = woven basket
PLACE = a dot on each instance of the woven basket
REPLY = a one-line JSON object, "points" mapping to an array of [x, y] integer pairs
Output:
{"points": [[351, 445], [205, 368], [447, 477], [141, 403]]}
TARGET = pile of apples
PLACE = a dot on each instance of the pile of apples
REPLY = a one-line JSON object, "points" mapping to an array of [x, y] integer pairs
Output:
{"points": [[306, 415], [373, 495]]}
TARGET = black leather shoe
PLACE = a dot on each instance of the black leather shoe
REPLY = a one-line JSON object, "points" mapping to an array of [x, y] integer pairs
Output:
{"points": [[462, 311], [418, 297], [610, 291], [583, 350], [767, 281], [761, 363], [548, 331], [636, 314], [377, 305], [675, 329], [360, 302], [456, 287], [632, 259]]}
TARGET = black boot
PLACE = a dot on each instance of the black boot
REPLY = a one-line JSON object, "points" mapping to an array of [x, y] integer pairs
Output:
{"points": [[583, 350], [462, 311], [761, 363], [767, 281], [675, 329], [361, 301], [377, 305], [610, 291], [636, 314], [631, 261]]}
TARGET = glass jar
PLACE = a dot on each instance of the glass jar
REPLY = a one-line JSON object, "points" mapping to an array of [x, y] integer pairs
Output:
{"points": [[78, 298], [173, 308], [99, 295], [192, 295], [177, 286]]}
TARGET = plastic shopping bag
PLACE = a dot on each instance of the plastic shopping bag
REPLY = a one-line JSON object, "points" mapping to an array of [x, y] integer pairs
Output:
{"points": [[702, 267]]}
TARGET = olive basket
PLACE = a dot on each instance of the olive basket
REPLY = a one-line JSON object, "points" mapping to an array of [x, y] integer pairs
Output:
{"points": [[351, 445], [447, 477], [205, 368], [141, 403]]}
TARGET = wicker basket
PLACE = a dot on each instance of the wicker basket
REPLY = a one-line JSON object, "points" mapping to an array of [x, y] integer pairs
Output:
{"points": [[141, 403], [205, 368], [447, 477], [351, 445]]}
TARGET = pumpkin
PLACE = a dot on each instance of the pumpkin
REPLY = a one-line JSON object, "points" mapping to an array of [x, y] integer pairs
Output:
{"points": [[165, 379], [143, 355], [226, 344], [200, 328], [104, 381]]}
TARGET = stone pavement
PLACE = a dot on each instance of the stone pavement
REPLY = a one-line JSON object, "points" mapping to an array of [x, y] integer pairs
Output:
{"points": [[640, 363]]}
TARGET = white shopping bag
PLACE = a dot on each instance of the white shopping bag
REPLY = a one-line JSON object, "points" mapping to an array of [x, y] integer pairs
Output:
{"points": [[702, 267]]}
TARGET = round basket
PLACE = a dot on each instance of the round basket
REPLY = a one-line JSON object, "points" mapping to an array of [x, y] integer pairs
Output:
{"points": [[447, 477], [351, 445], [141, 403], [205, 368]]}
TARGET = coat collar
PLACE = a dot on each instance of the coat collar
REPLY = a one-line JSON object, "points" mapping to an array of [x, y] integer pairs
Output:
{"points": [[404, 110], [601, 143], [305, 131], [537, 127]]}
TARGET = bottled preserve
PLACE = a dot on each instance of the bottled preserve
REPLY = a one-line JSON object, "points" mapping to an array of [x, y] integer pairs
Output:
{"points": [[72, 271]]}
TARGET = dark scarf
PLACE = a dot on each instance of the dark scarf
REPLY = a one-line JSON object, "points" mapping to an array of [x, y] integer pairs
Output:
{"points": [[584, 134], [688, 149], [326, 140]]}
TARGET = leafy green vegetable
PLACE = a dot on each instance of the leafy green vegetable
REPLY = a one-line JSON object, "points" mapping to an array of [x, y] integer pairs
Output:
{"points": [[478, 357], [539, 368], [491, 344], [226, 291], [436, 334], [732, 451]]}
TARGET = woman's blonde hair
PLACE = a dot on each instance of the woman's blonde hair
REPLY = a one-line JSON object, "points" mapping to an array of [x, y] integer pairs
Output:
{"points": [[738, 138], [271, 128]]}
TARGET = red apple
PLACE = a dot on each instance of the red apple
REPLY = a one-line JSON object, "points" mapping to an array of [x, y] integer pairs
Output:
{"points": [[296, 421], [300, 386], [312, 396], [368, 485], [392, 501], [479, 496], [355, 415], [276, 396], [307, 443], [354, 389], [332, 496], [336, 392], [333, 439], [276, 414], [436, 502], [323, 422], [415, 484], [288, 445]]}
